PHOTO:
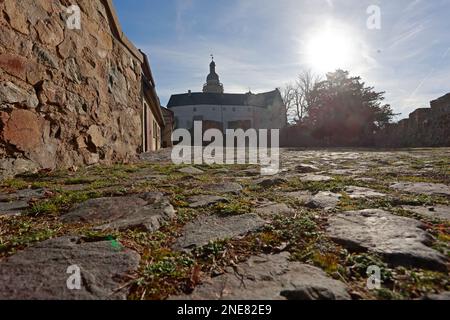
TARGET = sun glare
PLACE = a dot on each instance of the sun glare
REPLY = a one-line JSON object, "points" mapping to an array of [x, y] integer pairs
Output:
{"points": [[330, 49]]}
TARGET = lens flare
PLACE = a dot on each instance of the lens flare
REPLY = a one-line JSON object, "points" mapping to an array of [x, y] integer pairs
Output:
{"points": [[330, 49]]}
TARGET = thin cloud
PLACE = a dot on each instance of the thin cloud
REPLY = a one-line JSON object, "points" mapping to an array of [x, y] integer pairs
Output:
{"points": [[407, 35], [181, 7]]}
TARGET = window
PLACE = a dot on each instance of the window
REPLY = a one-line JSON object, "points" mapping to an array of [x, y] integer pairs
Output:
{"points": [[234, 109], [195, 109], [156, 135], [147, 126]]}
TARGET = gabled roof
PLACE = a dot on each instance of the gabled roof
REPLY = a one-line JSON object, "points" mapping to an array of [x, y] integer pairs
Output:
{"points": [[150, 91], [261, 100]]}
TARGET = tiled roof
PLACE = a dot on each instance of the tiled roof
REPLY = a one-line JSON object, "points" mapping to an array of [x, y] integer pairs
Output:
{"points": [[255, 100]]}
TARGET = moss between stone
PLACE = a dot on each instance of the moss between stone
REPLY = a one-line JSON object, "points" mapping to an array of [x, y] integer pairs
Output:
{"points": [[164, 272], [61, 202]]}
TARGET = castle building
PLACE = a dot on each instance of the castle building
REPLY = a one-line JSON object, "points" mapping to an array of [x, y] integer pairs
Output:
{"points": [[219, 110]]}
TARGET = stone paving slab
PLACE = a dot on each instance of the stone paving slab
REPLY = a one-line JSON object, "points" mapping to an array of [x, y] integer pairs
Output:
{"points": [[212, 228], [306, 168], [270, 182], [41, 272], [401, 241], [325, 200], [144, 212], [204, 201], [25, 194], [270, 277], [315, 178], [12, 204], [434, 212], [444, 296], [347, 172], [363, 193], [423, 188], [270, 210], [301, 196], [12, 208], [191, 170]]}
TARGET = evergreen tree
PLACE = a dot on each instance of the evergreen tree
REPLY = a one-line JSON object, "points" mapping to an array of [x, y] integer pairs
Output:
{"points": [[345, 112]]}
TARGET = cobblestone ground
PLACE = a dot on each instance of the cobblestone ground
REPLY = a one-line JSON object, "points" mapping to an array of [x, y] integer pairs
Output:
{"points": [[153, 230]]}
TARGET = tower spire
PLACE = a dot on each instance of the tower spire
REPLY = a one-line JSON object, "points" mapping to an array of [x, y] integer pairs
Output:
{"points": [[213, 84]]}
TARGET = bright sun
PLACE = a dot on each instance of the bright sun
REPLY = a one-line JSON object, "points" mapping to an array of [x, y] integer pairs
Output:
{"points": [[329, 49]]}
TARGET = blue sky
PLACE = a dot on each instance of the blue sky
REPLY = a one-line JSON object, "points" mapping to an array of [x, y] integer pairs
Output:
{"points": [[264, 44]]}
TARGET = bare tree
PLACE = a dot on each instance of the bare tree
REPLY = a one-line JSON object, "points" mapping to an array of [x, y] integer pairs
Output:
{"points": [[306, 83], [288, 94], [297, 96]]}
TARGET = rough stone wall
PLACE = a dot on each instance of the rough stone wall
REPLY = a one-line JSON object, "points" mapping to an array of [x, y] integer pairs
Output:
{"points": [[67, 97], [427, 127], [424, 128], [169, 119]]}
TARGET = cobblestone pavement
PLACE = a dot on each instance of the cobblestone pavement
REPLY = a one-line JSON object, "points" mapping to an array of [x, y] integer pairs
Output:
{"points": [[154, 230]]}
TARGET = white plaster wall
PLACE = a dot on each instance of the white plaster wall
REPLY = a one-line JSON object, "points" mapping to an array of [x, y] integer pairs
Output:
{"points": [[184, 115]]}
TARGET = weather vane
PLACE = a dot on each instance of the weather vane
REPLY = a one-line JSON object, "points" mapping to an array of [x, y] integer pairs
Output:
{"points": [[212, 57]]}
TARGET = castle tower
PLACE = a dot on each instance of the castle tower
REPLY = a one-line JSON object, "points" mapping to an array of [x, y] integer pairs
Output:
{"points": [[213, 84]]}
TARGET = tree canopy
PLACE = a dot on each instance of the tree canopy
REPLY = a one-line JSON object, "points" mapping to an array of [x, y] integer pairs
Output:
{"points": [[343, 111]]}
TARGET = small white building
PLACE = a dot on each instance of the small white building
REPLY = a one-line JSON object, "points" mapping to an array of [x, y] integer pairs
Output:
{"points": [[220, 110]]}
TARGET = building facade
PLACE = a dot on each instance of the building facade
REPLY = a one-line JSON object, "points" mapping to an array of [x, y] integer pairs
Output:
{"points": [[153, 122], [169, 121], [72, 96], [223, 111]]}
